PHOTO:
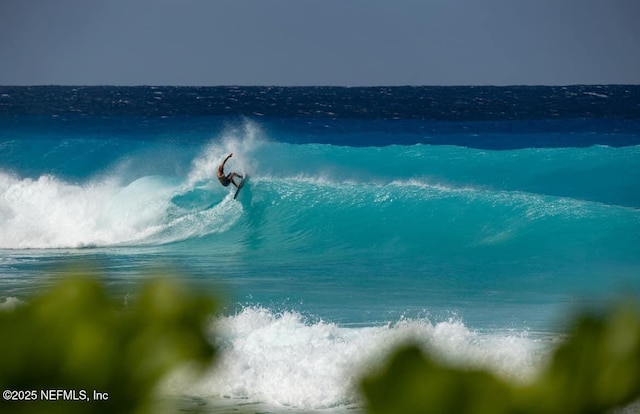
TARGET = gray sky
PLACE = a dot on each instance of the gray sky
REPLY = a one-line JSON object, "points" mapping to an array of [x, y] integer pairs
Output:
{"points": [[319, 42]]}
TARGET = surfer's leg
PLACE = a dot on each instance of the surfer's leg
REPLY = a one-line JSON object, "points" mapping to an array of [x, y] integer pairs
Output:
{"points": [[234, 175], [231, 177]]}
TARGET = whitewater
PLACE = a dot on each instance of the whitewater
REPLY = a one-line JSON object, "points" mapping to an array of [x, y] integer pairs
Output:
{"points": [[362, 225]]}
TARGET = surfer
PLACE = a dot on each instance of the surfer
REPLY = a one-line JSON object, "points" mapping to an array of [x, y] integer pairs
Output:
{"points": [[225, 180]]}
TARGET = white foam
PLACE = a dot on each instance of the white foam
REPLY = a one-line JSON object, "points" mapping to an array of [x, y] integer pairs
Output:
{"points": [[10, 303], [51, 213], [599, 95], [281, 359]]}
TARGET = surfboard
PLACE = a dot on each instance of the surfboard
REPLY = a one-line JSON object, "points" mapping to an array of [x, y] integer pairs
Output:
{"points": [[240, 186]]}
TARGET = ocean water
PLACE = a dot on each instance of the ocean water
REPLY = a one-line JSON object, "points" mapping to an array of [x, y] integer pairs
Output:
{"points": [[473, 220]]}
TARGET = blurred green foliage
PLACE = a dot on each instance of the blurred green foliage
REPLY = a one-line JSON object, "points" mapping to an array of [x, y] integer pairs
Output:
{"points": [[597, 369], [77, 337]]}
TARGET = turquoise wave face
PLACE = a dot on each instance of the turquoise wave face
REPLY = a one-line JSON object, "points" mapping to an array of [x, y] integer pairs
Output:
{"points": [[419, 197]]}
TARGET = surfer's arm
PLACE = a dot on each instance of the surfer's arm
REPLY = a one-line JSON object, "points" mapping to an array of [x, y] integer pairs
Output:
{"points": [[221, 167]]}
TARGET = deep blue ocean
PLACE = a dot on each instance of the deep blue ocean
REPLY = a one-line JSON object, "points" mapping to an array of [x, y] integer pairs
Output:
{"points": [[474, 220]]}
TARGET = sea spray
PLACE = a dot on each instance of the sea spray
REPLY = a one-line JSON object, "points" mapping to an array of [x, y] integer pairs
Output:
{"points": [[242, 141]]}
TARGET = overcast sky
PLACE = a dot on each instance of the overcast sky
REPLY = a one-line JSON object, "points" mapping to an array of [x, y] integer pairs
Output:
{"points": [[319, 42]]}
